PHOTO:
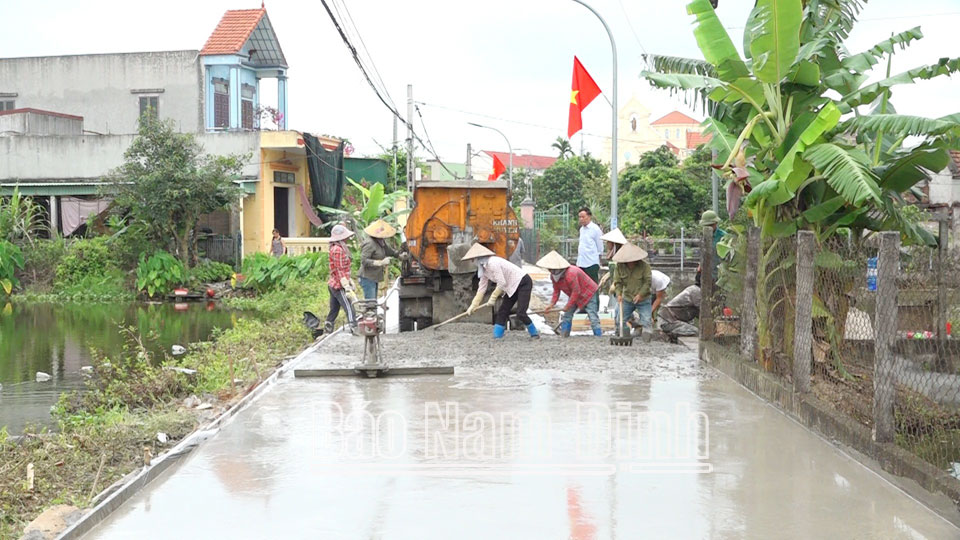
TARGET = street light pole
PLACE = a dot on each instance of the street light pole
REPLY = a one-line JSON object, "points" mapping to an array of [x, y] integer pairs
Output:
{"points": [[509, 148], [613, 157]]}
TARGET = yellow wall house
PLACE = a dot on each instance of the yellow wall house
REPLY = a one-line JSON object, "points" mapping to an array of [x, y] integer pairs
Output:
{"points": [[276, 201]]}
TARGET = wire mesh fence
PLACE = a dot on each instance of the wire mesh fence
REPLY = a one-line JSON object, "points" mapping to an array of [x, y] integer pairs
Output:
{"points": [[861, 323]]}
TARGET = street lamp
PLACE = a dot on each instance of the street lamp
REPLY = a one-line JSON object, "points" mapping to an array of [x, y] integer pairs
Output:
{"points": [[613, 157], [509, 148]]}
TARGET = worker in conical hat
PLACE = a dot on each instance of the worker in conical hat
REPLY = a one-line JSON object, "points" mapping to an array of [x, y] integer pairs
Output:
{"points": [[508, 278], [339, 283], [632, 286], [375, 256], [615, 240], [578, 287]]}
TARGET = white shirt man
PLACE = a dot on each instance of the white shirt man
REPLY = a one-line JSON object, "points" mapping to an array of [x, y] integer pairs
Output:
{"points": [[591, 246]]}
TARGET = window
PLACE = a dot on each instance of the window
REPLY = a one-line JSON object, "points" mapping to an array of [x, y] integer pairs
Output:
{"points": [[247, 92], [666, 133], [280, 177], [7, 105], [150, 105], [678, 133], [221, 103]]}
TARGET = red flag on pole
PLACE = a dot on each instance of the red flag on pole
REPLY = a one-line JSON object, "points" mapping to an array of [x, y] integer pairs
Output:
{"points": [[498, 168], [582, 92]]}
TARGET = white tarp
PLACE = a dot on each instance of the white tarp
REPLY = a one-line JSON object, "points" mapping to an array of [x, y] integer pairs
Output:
{"points": [[74, 212]]}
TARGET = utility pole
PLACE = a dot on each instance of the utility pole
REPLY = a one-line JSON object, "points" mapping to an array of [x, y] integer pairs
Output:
{"points": [[410, 162], [469, 167], [395, 143]]}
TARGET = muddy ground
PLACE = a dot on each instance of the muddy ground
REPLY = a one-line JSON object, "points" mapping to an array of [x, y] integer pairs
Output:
{"points": [[471, 346]]}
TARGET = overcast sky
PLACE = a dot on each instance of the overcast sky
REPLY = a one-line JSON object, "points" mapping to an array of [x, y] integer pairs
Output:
{"points": [[506, 63]]}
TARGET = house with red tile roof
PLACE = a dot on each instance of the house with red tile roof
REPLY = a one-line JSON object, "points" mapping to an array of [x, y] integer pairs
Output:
{"points": [[639, 133], [65, 122]]}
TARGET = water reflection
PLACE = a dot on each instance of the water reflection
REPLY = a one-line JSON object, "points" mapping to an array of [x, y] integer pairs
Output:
{"points": [[58, 339]]}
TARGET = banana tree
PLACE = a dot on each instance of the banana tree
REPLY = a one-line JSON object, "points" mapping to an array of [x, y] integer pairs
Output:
{"points": [[801, 133]]}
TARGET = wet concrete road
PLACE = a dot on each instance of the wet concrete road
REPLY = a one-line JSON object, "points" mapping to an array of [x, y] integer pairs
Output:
{"points": [[568, 452]]}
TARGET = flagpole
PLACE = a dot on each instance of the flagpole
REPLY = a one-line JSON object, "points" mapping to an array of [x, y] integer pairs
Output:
{"points": [[613, 156]]}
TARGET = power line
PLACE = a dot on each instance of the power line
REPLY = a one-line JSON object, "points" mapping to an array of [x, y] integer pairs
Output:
{"points": [[363, 46], [626, 16]]}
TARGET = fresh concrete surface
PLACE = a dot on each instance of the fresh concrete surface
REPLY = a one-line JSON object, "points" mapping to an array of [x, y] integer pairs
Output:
{"points": [[290, 467]]}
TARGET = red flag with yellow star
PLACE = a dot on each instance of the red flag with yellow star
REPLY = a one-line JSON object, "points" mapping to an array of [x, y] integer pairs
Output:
{"points": [[498, 168], [582, 92]]}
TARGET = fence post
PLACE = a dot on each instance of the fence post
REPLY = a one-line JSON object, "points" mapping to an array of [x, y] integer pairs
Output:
{"points": [[748, 313], [706, 288], [944, 241], [803, 324], [885, 333]]}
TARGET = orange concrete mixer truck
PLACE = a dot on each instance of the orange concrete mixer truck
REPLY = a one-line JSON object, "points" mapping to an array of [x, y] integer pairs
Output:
{"points": [[447, 218]]}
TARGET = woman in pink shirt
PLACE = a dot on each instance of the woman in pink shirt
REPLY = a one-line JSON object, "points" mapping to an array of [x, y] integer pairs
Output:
{"points": [[508, 278]]}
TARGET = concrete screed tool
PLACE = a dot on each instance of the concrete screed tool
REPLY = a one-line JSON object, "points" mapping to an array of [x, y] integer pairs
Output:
{"points": [[371, 324], [619, 339]]}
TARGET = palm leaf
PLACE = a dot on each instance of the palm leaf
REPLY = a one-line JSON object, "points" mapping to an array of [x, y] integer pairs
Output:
{"points": [[861, 63], [775, 27], [840, 15], [847, 172], [867, 94], [906, 171], [715, 43], [721, 139]]}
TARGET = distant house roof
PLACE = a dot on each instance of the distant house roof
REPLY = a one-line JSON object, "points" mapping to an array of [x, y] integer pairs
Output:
{"points": [[673, 148], [524, 161], [695, 139], [236, 28], [43, 112], [675, 117]]}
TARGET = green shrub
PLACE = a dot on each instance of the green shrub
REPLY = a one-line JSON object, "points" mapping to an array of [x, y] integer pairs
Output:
{"points": [[159, 273], [263, 272], [210, 271], [85, 257], [11, 259], [41, 261]]}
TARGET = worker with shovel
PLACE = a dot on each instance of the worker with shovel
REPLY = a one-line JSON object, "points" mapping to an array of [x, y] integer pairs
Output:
{"points": [[632, 287], [508, 278], [579, 288]]}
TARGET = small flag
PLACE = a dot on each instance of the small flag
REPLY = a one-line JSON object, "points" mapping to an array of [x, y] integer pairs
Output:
{"points": [[498, 168], [582, 92]]}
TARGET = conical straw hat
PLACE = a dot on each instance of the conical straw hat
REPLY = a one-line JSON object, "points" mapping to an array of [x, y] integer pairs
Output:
{"points": [[380, 229], [553, 261], [475, 251], [615, 236], [630, 253]]}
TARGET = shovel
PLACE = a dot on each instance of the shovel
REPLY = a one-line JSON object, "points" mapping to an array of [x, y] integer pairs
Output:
{"points": [[619, 339], [460, 316]]}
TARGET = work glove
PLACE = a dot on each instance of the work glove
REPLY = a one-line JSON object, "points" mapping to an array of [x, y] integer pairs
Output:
{"points": [[495, 294], [382, 262], [475, 305], [346, 284]]}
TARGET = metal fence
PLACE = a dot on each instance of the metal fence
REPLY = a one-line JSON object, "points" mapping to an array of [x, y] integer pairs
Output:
{"points": [[864, 324]]}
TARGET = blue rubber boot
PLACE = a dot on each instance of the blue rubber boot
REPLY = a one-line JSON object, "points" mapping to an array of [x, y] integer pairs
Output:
{"points": [[498, 330], [532, 330], [565, 328], [598, 332]]}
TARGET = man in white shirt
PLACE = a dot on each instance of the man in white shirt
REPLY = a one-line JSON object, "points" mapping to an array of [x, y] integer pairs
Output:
{"points": [[591, 246]]}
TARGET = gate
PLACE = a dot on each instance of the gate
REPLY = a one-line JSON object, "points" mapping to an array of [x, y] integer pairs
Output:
{"points": [[553, 230]]}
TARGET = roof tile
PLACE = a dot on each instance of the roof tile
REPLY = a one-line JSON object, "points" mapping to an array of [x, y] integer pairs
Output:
{"points": [[695, 139], [528, 161], [232, 31], [675, 117]]}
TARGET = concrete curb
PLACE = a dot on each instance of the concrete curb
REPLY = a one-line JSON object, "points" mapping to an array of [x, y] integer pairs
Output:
{"points": [[164, 461], [916, 477]]}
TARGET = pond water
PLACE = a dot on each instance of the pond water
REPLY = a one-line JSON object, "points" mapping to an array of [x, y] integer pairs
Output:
{"points": [[58, 338]]}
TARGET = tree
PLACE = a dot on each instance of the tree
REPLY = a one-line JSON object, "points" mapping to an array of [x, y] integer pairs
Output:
{"points": [[661, 200], [167, 183], [563, 148], [565, 180]]}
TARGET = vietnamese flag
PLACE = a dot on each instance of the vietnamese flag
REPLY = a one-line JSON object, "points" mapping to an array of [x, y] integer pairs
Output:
{"points": [[582, 92], [498, 168]]}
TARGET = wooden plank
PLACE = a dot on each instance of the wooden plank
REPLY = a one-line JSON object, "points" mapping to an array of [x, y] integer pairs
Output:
{"points": [[360, 370]]}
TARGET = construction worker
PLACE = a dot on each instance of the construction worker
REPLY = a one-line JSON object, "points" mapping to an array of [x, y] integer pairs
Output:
{"points": [[339, 283], [508, 278], [632, 286], [578, 287], [678, 314], [710, 219], [614, 241], [375, 256]]}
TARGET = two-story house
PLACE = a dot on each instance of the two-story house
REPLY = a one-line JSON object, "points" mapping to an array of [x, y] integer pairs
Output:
{"points": [[65, 122]]}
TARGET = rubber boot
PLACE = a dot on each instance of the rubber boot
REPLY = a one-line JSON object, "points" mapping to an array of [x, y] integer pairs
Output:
{"points": [[565, 328], [532, 330], [498, 330], [598, 332]]}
